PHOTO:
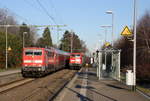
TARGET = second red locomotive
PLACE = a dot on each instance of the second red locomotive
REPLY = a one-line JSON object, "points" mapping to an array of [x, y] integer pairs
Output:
{"points": [[76, 60]]}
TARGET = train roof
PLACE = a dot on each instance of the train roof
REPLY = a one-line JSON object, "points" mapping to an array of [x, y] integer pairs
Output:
{"points": [[32, 48], [61, 51], [77, 53], [51, 49], [36, 48]]}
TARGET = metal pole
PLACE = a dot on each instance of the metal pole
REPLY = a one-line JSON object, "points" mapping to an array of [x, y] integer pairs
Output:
{"points": [[134, 50], [111, 12], [6, 43], [71, 41], [23, 40], [6, 50], [57, 37], [112, 29], [105, 59], [112, 37], [119, 66], [99, 70], [96, 62], [105, 34], [105, 27]]}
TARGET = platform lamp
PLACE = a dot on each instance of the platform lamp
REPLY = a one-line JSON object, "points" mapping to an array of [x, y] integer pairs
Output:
{"points": [[110, 12]]}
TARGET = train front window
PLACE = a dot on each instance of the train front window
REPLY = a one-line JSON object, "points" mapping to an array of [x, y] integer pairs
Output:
{"points": [[75, 55], [38, 52], [33, 52], [29, 53]]}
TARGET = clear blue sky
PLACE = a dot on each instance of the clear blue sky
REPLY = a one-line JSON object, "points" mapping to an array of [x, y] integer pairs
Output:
{"points": [[84, 17]]}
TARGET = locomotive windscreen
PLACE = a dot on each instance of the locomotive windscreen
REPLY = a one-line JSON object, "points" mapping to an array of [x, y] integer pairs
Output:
{"points": [[75, 55], [33, 52]]}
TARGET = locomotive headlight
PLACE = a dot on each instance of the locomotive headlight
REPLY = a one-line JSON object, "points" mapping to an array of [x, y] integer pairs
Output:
{"points": [[43, 68], [38, 61], [39, 69]]}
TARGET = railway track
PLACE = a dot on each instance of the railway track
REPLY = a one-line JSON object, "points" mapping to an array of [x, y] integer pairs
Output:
{"points": [[55, 81], [42, 89], [11, 85]]}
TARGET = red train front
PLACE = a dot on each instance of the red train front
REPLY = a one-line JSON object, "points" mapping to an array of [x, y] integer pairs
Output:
{"points": [[76, 60], [41, 61]]}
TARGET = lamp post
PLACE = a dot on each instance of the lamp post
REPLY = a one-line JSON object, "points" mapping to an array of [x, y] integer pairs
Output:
{"points": [[105, 27], [6, 65], [6, 49], [23, 39], [58, 41], [110, 12], [71, 41], [134, 50], [101, 40], [57, 36], [112, 43]]}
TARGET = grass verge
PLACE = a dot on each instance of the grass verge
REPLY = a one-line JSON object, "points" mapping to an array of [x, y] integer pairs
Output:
{"points": [[145, 90]]}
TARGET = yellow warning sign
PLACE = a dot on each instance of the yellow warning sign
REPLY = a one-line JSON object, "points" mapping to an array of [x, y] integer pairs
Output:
{"points": [[107, 44], [126, 31]]}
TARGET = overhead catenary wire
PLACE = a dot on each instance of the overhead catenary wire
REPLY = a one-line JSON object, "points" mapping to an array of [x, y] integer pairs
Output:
{"points": [[46, 12], [55, 10], [32, 5]]}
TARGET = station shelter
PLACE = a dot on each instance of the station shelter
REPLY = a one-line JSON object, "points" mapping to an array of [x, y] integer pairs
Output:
{"points": [[108, 63]]}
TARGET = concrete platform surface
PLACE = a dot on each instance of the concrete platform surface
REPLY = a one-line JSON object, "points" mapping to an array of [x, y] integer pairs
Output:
{"points": [[9, 72], [86, 87]]}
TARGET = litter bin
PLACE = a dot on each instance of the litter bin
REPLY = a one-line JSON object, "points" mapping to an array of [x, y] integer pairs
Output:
{"points": [[129, 78]]}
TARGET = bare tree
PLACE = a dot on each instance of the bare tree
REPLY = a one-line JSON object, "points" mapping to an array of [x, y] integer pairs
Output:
{"points": [[7, 19]]}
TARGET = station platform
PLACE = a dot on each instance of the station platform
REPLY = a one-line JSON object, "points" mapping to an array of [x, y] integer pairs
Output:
{"points": [[10, 72], [85, 86]]}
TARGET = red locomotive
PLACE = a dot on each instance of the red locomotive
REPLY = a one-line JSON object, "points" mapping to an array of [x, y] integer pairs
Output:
{"points": [[41, 61], [76, 60]]}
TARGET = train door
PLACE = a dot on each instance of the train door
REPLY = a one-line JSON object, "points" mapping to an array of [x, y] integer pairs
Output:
{"points": [[51, 60], [46, 60], [55, 61]]}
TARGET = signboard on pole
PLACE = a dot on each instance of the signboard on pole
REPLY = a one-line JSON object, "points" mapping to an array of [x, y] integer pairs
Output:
{"points": [[126, 32]]}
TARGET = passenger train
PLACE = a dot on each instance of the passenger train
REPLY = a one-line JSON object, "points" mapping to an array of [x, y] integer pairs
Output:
{"points": [[41, 61]]}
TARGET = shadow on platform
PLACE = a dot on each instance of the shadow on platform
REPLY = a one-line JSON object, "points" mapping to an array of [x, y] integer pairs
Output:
{"points": [[92, 90], [82, 97]]}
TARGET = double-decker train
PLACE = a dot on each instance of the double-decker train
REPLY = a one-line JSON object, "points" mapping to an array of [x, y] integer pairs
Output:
{"points": [[41, 61]]}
